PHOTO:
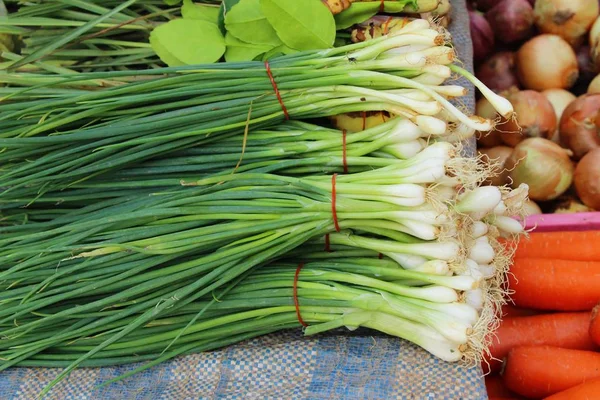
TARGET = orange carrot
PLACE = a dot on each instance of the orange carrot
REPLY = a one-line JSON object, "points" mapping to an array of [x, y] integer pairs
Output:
{"points": [[568, 330], [509, 311], [594, 329], [561, 285], [561, 245], [586, 391], [540, 371], [494, 386]]}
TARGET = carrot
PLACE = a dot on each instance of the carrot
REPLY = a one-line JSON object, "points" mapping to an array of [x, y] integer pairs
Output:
{"points": [[586, 391], [509, 311], [561, 245], [561, 285], [540, 371], [568, 330], [494, 386], [594, 329]]}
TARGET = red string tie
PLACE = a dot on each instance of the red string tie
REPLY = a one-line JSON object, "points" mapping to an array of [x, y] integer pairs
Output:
{"points": [[276, 89], [295, 292], [333, 205], [327, 243], [381, 6]]}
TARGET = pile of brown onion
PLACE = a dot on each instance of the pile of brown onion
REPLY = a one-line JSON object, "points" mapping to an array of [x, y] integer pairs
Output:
{"points": [[546, 62]]}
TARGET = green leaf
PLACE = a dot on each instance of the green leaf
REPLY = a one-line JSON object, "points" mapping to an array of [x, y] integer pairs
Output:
{"points": [[203, 12], [238, 50], [362, 11], [246, 22], [186, 41], [172, 2], [278, 51], [301, 24], [226, 5]]}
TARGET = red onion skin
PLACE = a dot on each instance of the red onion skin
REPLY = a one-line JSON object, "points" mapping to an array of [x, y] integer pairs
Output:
{"points": [[580, 125], [482, 36], [511, 20], [499, 72], [587, 179]]}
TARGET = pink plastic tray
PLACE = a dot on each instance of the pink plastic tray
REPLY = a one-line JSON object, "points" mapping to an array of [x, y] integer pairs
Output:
{"points": [[564, 222]]}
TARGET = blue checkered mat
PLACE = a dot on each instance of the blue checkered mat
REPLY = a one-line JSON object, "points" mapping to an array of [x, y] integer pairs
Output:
{"points": [[280, 366]]}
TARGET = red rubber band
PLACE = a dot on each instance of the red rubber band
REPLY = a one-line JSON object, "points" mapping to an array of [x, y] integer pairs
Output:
{"points": [[381, 6], [333, 206], [327, 243], [364, 121], [295, 292], [344, 158], [386, 24], [285, 112]]}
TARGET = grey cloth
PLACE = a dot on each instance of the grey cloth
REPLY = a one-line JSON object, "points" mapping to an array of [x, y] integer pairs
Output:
{"points": [[286, 365]]}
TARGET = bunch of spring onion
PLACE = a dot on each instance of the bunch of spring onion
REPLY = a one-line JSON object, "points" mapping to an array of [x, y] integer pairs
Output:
{"points": [[157, 269], [93, 286], [52, 140], [57, 37]]}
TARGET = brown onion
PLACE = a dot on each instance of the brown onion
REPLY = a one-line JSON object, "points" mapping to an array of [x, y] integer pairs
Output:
{"points": [[547, 62], [496, 156], [560, 99], [484, 109], [511, 20], [482, 36], [580, 125], [594, 86], [530, 207], [587, 179], [535, 117], [570, 205], [570, 19], [543, 165], [499, 72]]}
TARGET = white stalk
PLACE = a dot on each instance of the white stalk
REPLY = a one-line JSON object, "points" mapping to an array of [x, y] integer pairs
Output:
{"points": [[487, 270], [433, 267], [461, 311], [472, 270], [429, 80], [479, 229], [442, 193], [431, 125], [507, 224], [482, 252], [421, 230], [475, 298], [502, 105], [500, 209], [443, 55], [410, 93], [422, 335], [416, 25], [449, 91], [482, 199], [439, 70], [407, 261], [404, 151]]}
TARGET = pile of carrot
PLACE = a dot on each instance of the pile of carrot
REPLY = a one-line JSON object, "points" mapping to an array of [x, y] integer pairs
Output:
{"points": [[548, 344]]}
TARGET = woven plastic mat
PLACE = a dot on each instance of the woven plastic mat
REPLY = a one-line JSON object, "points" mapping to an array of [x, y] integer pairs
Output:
{"points": [[286, 365]]}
